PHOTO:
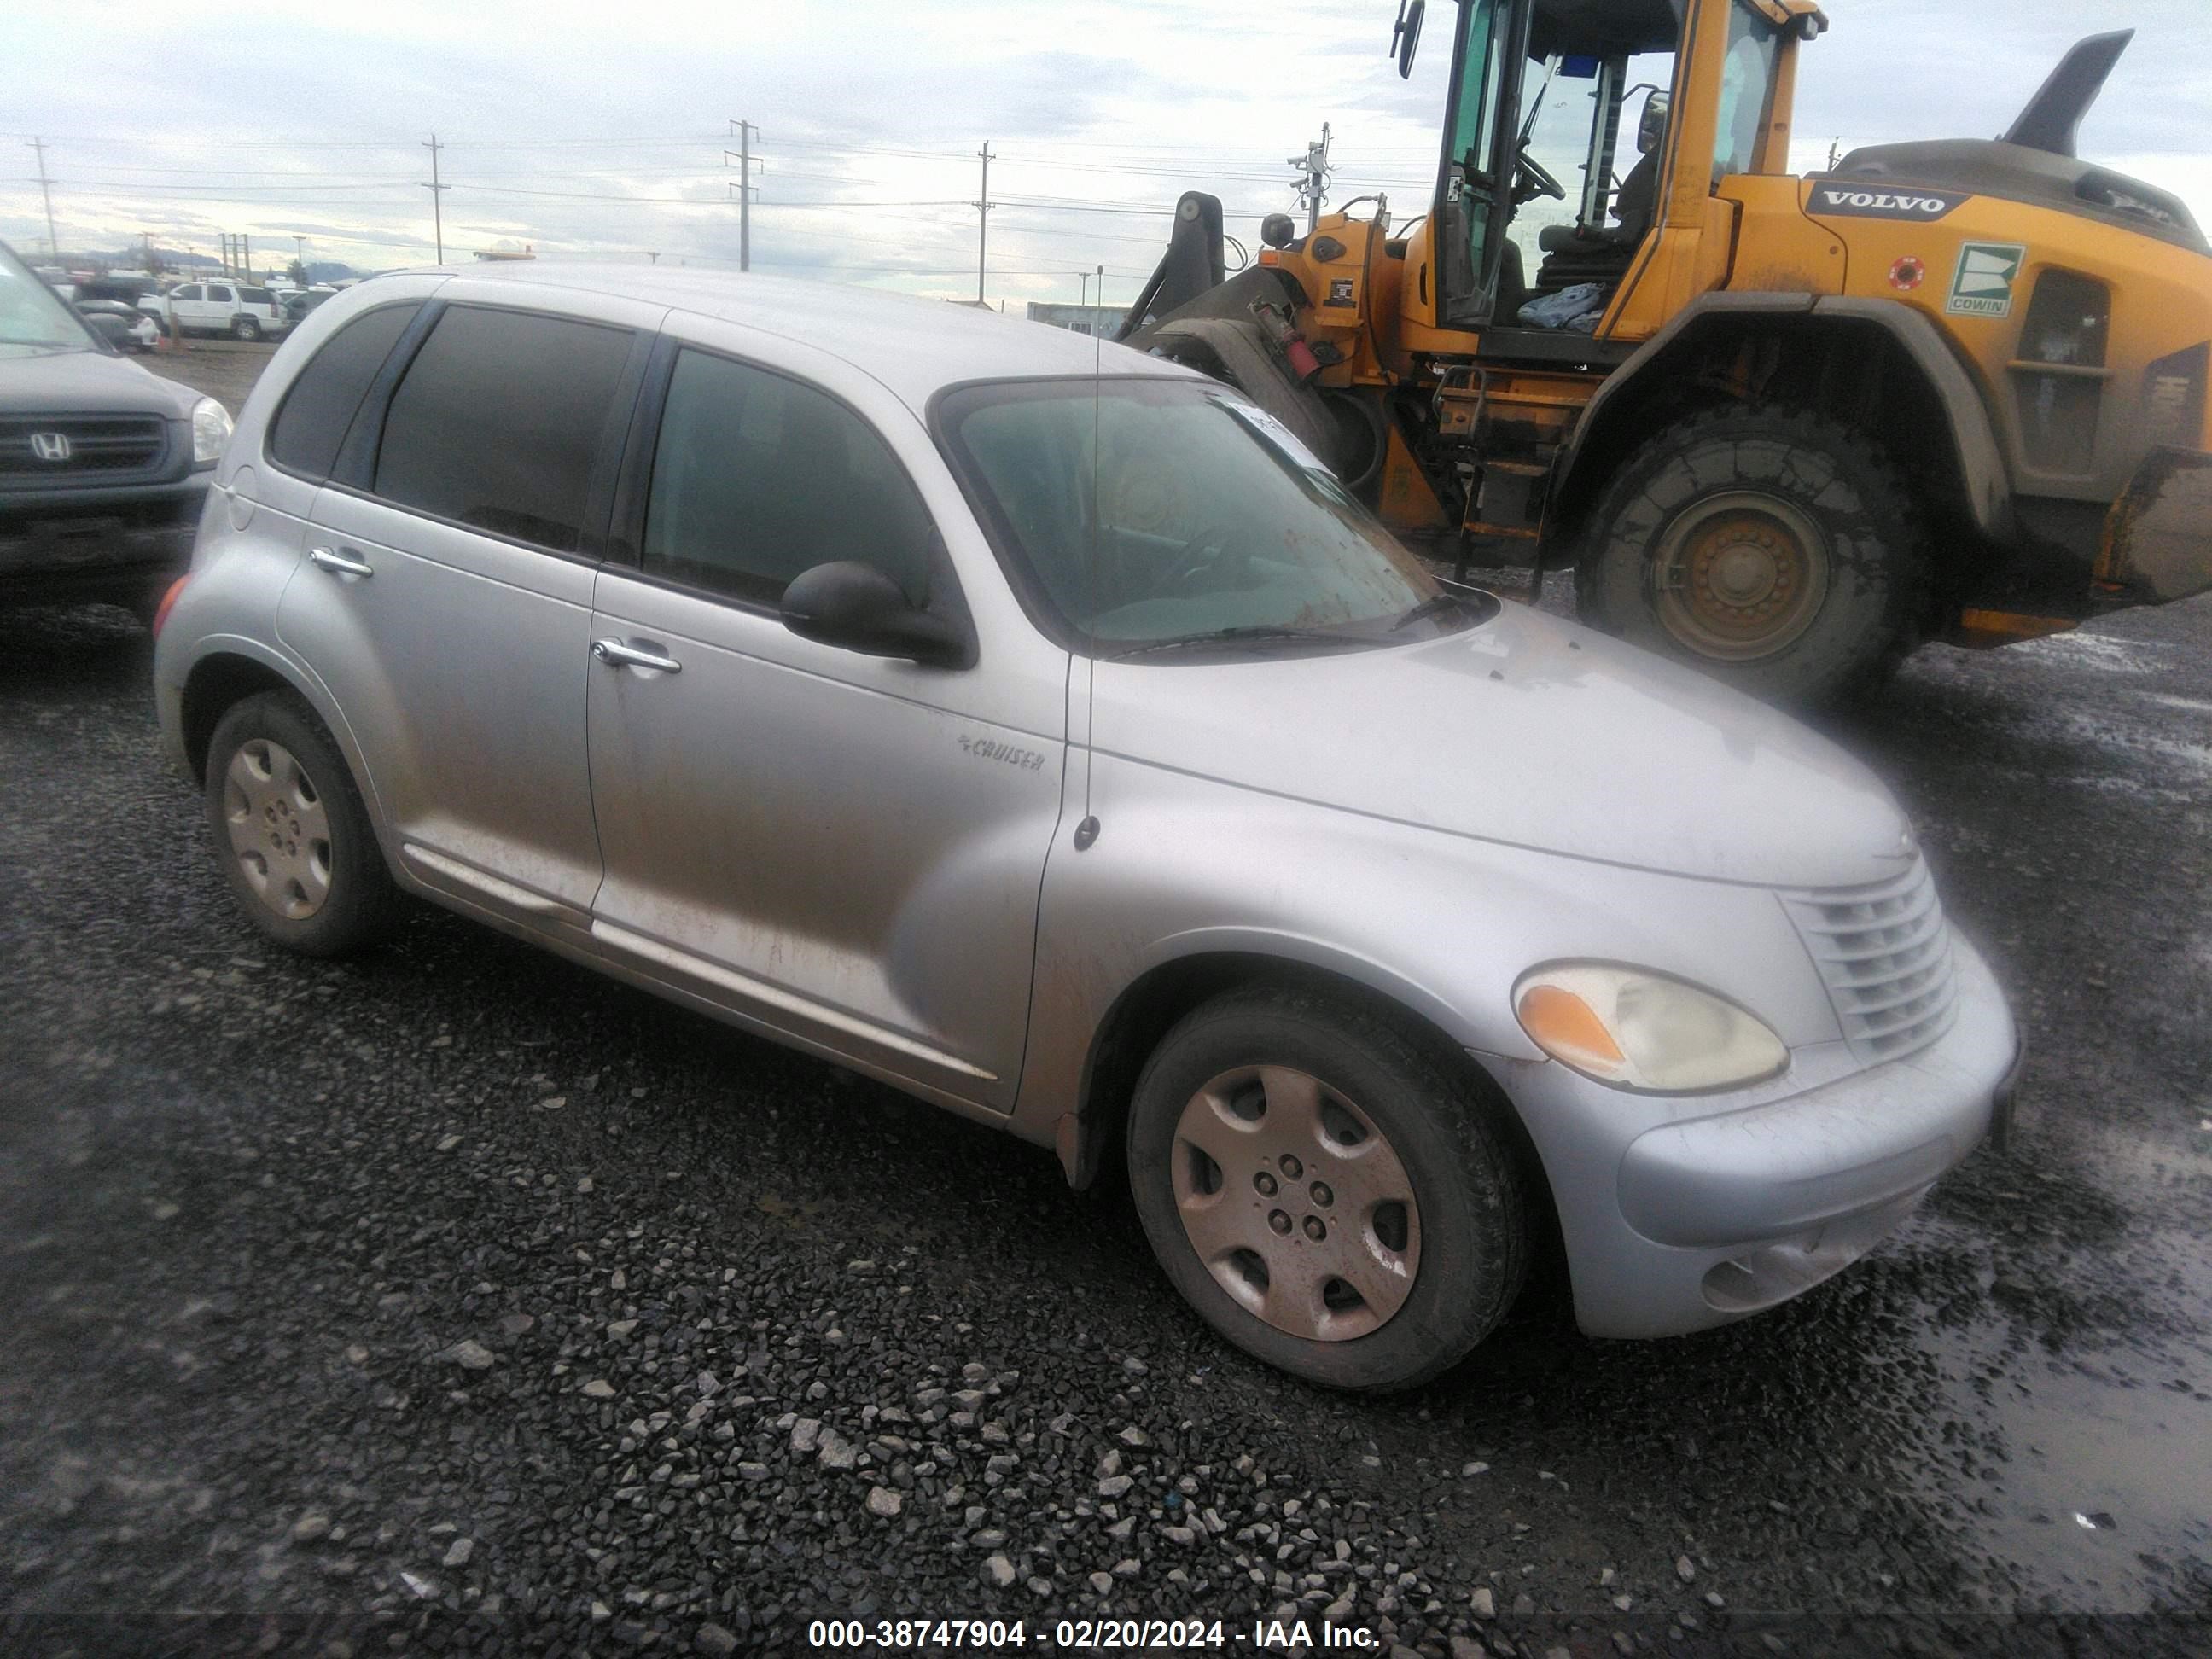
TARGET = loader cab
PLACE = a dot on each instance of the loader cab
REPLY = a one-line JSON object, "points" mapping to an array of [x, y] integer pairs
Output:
{"points": [[1561, 133]]}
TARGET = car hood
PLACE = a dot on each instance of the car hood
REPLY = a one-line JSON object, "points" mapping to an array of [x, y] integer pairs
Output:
{"points": [[1527, 730], [89, 383]]}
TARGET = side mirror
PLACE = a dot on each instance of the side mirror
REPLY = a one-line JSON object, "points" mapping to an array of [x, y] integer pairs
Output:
{"points": [[1406, 38], [110, 327], [857, 607], [1651, 126]]}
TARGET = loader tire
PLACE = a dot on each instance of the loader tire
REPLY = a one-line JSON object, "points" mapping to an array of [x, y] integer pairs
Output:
{"points": [[1770, 547]]}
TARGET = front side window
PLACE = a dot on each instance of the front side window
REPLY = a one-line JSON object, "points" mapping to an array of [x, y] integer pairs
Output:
{"points": [[1746, 89], [757, 479], [1147, 513], [320, 405], [497, 423], [190, 291]]}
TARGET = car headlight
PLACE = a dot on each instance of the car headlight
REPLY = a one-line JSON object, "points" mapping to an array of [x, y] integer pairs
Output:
{"points": [[211, 431], [1632, 1029]]}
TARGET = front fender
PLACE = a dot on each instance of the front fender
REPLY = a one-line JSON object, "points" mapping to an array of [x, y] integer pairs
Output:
{"points": [[1186, 869]]}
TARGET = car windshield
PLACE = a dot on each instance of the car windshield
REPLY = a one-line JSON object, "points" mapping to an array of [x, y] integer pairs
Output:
{"points": [[1147, 515], [35, 320]]}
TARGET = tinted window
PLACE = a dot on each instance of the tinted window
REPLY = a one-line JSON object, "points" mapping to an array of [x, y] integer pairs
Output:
{"points": [[757, 478], [254, 296], [190, 291], [320, 405], [218, 293], [498, 422]]}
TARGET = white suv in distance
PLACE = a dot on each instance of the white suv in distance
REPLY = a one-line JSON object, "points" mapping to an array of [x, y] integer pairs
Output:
{"points": [[242, 312], [1037, 726]]}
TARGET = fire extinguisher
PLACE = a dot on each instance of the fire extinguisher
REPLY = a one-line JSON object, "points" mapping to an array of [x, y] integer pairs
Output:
{"points": [[1292, 344]]}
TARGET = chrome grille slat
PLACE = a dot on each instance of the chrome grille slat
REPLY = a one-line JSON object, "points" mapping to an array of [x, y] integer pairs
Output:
{"points": [[1884, 952]]}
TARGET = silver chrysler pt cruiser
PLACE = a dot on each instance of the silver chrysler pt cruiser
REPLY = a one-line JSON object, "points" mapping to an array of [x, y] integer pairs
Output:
{"points": [[1037, 727]]}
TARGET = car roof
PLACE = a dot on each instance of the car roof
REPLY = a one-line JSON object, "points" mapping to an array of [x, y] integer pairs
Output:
{"points": [[914, 346]]}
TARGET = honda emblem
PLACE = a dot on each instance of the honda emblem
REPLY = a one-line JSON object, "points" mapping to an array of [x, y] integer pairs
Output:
{"points": [[51, 445]]}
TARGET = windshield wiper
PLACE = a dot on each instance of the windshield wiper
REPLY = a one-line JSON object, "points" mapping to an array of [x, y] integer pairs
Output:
{"points": [[1260, 633], [1426, 608]]}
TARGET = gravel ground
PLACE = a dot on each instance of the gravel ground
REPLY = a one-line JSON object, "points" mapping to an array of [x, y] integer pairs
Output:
{"points": [[457, 1299], [224, 369]]}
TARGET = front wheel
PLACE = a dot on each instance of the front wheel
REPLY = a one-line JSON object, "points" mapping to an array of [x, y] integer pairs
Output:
{"points": [[1772, 548], [1326, 1194]]}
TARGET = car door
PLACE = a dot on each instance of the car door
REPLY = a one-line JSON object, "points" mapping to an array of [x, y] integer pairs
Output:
{"points": [[446, 598], [215, 310], [840, 849], [185, 304]]}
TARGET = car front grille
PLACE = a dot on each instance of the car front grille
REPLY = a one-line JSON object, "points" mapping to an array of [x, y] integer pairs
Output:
{"points": [[1885, 952], [98, 445]]}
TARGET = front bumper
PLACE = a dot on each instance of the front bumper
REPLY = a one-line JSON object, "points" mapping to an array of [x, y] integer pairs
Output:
{"points": [[117, 545], [1680, 1213]]}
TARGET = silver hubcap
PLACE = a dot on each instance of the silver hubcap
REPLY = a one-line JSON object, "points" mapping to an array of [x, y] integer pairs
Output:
{"points": [[279, 832], [1295, 1203]]}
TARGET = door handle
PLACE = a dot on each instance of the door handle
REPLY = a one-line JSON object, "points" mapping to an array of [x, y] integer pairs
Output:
{"points": [[345, 563], [616, 654]]}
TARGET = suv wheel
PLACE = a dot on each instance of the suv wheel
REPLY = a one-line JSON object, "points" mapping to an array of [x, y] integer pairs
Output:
{"points": [[290, 831], [245, 328], [1323, 1192]]}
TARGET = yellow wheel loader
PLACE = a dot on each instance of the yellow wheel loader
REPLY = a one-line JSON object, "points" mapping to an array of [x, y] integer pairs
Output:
{"points": [[1783, 428]]}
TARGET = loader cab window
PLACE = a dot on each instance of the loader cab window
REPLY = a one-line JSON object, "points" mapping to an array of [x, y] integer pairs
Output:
{"points": [[1464, 203], [1747, 90], [1532, 199]]}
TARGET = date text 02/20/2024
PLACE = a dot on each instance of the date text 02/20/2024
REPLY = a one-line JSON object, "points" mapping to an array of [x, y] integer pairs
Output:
{"points": [[1087, 1634]]}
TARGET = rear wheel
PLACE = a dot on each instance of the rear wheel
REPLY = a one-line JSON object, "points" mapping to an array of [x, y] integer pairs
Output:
{"points": [[290, 831], [245, 328], [1324, 1192], [1774, 548]]}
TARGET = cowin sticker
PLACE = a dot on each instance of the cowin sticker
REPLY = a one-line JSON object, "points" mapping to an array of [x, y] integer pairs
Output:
{"points": [[1897, 201], [1982, 285]]}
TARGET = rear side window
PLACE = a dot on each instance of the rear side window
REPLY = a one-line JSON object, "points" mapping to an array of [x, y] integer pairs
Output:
{"points": [[320, 405], [757, 478], [254, 296], [497, 422]]}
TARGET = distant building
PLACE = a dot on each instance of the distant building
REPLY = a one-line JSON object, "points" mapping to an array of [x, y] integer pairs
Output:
{"points": [[1104, 320]]}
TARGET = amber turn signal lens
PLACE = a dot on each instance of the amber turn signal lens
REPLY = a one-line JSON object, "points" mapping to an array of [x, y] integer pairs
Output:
{"points": [[168, 599], [1563, 1023]]}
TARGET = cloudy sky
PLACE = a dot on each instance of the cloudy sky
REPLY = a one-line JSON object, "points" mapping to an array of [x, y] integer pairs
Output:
{"points": [[599, 130]]}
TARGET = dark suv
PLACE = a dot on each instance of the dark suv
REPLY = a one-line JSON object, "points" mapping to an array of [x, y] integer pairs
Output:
{"points": [[104, 467]]}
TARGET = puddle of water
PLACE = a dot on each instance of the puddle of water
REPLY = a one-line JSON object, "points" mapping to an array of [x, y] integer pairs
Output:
{"points": [[2107, 1441], [2099, 652]]}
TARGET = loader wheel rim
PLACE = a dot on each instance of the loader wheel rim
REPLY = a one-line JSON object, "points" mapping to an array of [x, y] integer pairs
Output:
{"points": [[1740, 576]]}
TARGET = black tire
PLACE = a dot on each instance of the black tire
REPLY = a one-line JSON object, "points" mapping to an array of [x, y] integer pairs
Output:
{"points": [[1470, 1209], [361, 902], [244, 328], [1841, 614]]}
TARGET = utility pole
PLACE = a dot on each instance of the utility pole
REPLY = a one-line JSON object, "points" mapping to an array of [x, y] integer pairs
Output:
{"points": [[437, 195], [301, 258], [1312, 182], [46, 189], [983, 220], [246, 256], [744, 130]]}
